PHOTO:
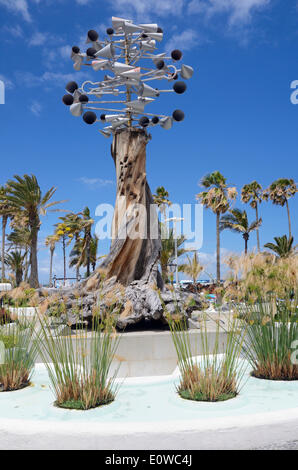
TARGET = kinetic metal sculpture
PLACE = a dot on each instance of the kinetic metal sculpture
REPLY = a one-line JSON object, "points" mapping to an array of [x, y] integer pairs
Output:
{"points": [[131, 65]]}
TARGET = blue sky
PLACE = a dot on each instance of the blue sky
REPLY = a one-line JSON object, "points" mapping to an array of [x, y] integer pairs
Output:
{"points": [[239, 117]]}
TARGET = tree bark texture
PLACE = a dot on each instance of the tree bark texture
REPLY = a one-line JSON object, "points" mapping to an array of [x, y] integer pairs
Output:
{"points": [[4, 223], [258, 233], [218, 247], [33, 280], [136, 244]]}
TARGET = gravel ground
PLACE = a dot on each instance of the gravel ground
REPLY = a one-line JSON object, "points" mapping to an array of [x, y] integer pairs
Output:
{"points": [[291, 445]]}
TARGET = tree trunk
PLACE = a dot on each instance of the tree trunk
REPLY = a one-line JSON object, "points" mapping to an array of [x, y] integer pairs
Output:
{"points": [[217, 248], [258, 233], [51, 266], [4, 223], [33, 280], [88, 237], [27, 264], [134, 253], [77, 235], [246, 237], [19, 277], [289, 218], [64, 260]]}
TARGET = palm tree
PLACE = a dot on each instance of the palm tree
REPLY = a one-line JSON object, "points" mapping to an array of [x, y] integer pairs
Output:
{"points": [[280, 191], [25, 195], [237, 221], [193, 268], [51, 241], [283, 246], [76, 224], [253, 193], [86, 248], [15, 260], [167, 254], [20, 237], [78, 254], [217, 198], [6, 212], [161, 199], [93, 252], [63, 233]]}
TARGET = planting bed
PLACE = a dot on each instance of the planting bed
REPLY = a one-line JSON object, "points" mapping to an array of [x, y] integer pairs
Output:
{"points": [[149, 414]]}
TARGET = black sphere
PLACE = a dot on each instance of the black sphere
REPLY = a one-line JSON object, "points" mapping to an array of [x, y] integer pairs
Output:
{"points": [[84, 99], [144, 121], [179, 87], [91, 52], [92, 35], [89, 117], [71, 87], [75, 49], [155, 120], [160, 64], [144, 36], [178, 115], [67, 100], [159, 30], [175, 76], [102, 117], [176, 54], [110, 31]]}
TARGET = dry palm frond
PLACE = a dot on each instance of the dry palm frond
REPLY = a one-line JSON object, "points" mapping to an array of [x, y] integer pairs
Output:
{"points": [[128, 309]]}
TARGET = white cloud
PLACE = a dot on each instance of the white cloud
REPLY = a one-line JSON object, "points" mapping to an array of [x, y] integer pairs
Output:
{"points": [[53, 56], [239, 11], [49, 79], [38, 39], [7, 82], [185, 40], [145, 10], [35, 108], [95, 182], [13, 31], [17, 6], [65, 51]]}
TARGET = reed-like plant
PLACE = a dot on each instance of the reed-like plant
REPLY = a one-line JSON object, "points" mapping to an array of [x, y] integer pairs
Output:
{"points": [[271, 335], [20, 351], [212, 376], [78, 365]]}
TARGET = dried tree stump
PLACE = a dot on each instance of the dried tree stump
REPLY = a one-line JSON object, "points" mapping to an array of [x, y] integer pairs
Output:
{"points": [[136, 244]]}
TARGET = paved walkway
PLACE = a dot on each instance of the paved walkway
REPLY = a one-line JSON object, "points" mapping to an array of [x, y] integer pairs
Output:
{"points": [[290, 445]]}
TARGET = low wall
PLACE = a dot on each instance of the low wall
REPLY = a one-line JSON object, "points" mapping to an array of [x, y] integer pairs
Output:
{"points": [[148, 353]]}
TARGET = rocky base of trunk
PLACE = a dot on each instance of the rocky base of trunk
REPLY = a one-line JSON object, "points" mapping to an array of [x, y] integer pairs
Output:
{"points": [[131, 305]]}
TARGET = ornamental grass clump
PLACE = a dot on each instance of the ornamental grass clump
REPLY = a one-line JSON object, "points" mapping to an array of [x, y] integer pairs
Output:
{"points": [[19, 350], [212, 376], [272, 337], [78, 365]]}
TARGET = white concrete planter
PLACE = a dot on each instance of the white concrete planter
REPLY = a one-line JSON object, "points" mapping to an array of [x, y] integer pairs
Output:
{"points": [[149, 414], [23, 313], [5, 287]]}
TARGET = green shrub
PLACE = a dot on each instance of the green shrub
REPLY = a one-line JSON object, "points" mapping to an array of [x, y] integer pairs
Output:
{"points": [[212, 377], [80, 375], [272, 331], [20, 355]]}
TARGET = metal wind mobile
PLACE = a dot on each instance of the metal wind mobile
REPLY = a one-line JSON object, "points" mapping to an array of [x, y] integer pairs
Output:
{"points": [[131, 65]]}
